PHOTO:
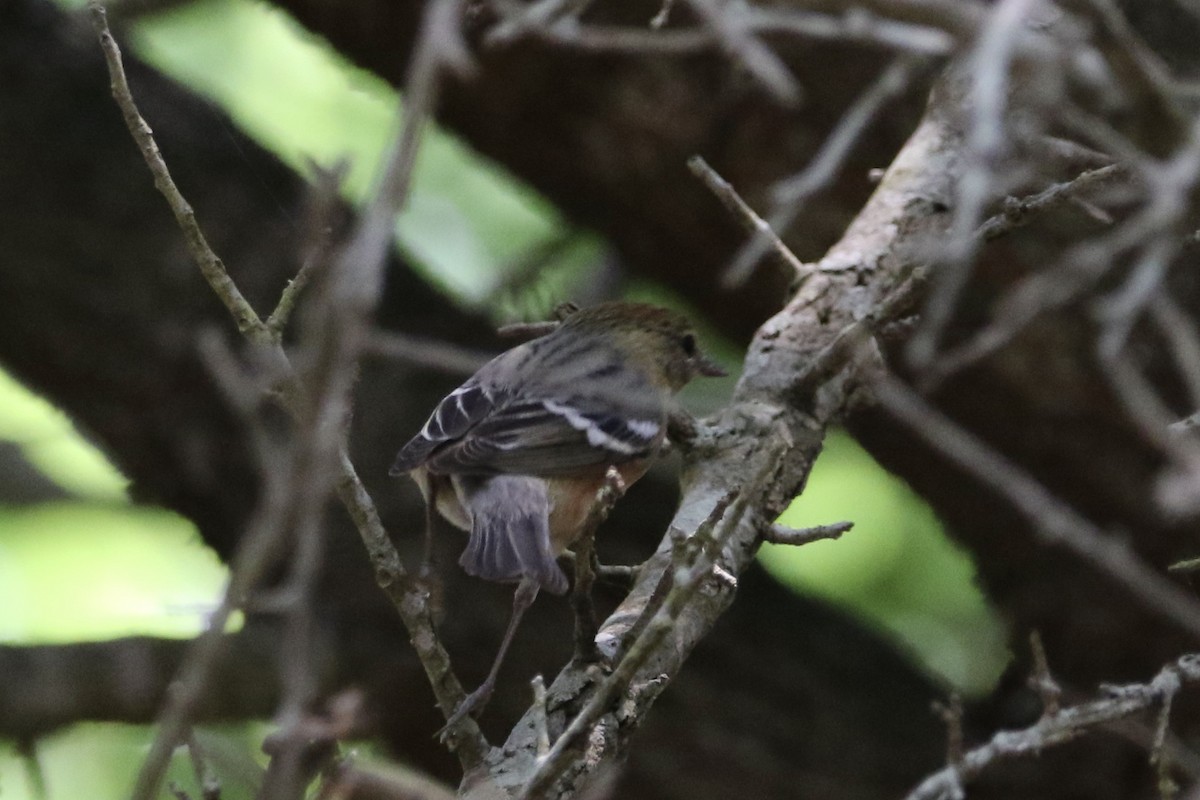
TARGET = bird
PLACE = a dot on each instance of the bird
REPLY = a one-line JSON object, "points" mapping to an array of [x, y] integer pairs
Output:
{"points": [[515, 456]]}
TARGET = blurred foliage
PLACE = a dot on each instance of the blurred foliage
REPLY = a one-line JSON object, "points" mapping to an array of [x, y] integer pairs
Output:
{"points": [[100, 761], [49, 442], [91, 565], [94, 566], [895, 569], [471, 229]]}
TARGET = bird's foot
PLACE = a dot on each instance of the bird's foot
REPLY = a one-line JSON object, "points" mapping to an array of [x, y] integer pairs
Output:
{"points": [[473, 704]]}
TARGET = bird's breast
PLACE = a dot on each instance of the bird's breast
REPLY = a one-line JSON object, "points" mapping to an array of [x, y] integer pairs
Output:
{"points": [[572, 498]]}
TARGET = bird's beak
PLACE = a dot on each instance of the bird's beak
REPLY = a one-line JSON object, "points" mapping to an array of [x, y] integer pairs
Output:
{"points": [[706, 366]]}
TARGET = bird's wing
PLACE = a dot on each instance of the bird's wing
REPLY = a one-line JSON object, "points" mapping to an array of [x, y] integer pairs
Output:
{"points": [[487, 431], [458, 412]]}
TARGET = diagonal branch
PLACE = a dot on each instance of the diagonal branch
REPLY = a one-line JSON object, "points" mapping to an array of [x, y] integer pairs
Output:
{"points": [[353, 287], [1053, 520], [764, 431], [1061, 727]]}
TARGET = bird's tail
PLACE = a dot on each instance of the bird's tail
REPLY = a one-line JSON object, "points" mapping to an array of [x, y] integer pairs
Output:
{"points": [[510, 532]]}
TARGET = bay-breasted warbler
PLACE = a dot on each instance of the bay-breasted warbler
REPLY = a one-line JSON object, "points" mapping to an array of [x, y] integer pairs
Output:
{"points": [[517, 454]]}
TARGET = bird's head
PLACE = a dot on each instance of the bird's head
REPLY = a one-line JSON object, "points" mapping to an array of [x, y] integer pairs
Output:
{"points": [[662, 342]]}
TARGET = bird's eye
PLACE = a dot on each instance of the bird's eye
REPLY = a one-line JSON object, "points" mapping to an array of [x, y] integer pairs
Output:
{"points": [[689, 344]]}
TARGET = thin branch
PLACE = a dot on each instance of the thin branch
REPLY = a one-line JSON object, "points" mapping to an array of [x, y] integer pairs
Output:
{"points": [[1060, 727], [1053, 521], [211, 267], [857, 26], [319, 223], [794, 537], [1176, 491], [750, 222], [524, 331], [539, 715], [1042, 681], [792, 193], [744, 46], [354, 284], [1078, 271], [254, 555], [663, 16], [988, 67], [612, 490], [537, 14], [1179, 333], [1019, 212], [209, 783], [422, 351], [356, 778], [1120, 309], [1190, 422], [1159, 756], [952, 715]]}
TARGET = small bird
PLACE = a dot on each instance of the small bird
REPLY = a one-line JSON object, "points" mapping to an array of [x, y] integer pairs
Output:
{"points": [[517, 453]]}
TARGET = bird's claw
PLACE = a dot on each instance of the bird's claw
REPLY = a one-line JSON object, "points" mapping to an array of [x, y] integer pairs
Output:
{"points": [[473, 704]]}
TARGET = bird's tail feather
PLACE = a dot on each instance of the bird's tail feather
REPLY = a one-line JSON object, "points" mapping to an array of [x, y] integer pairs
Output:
{"points": [[510, 533]]}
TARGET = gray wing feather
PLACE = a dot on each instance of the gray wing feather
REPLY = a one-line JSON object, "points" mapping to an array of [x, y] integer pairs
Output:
{"points": [[541, 428], [452, 419]]}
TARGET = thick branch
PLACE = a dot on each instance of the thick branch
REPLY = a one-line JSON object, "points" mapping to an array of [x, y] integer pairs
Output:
{"points": [[730, 445]]}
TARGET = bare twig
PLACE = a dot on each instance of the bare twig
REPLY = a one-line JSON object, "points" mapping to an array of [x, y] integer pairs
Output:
{"points": [[1159, 757], [952, 715], [791, 194], [860, 26], [535, 15], [743, 45], [1120, 309], [1159, 223], [750, 221], [612, 490], [524, 331], [210, 785], [664, 14], [893, 81], [320, 226], [356, 778], [1060, 727], [539, 715], [1041, 680], [211, 267], [1179, 333], [1188, 423], [779, 534], [1018, 212]]}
